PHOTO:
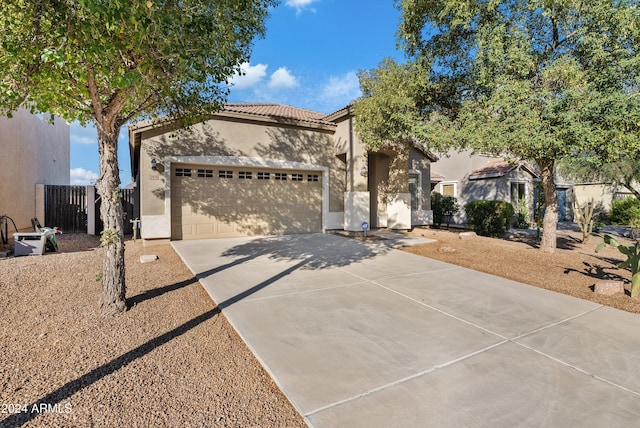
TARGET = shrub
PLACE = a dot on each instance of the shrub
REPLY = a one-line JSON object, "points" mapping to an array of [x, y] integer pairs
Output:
{"points": [[444, 207], [489, 218], [625, 211], [522, 215]]}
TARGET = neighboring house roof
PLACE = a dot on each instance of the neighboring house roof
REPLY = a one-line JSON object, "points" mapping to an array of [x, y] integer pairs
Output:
{"points": [[436, 176], [499, 168]]}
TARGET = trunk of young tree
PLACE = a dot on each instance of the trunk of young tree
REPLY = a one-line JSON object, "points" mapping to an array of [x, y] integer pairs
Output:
{"points": [[550, 219], [113, 278]]}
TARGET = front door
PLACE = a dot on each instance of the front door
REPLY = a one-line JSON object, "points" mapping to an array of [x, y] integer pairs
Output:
{"points": [[562, 204]]}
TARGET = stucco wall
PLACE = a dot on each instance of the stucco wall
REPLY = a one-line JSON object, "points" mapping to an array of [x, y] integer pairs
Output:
{"points": [[32, 151], [231, 137]]}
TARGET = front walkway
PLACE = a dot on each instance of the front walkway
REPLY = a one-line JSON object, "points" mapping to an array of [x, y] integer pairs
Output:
{"points": [[359, 334]]}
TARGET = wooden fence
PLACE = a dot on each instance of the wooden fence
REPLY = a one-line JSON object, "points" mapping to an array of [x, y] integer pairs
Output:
{"points": [[67, 207]]}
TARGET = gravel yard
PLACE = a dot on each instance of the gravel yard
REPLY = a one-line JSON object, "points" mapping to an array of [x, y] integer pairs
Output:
{"points": [[171, 360]]}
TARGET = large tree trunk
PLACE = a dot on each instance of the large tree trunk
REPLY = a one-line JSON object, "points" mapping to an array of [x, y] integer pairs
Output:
{"points": [[113, 278], [550, 220]]}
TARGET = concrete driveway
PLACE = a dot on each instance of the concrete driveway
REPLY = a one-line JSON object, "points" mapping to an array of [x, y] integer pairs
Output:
{"points": [[362, 335]]}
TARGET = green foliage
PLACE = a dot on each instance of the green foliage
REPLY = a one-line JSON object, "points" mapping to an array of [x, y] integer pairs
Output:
{"points": [[489, 218], [537, 80], [632, 252], [522, 214], [395, 100], [84, 58], [108, 236], [444, 208], [625, 211]]}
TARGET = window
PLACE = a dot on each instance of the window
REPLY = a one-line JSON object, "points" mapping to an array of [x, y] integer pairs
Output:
{"points": [[448, 189], [245, 175], [416, 190], [225, 174], [518, 193], [282, 176], [183, 172], [313, 177], [264, 175], [207, 173], [296, 177]]}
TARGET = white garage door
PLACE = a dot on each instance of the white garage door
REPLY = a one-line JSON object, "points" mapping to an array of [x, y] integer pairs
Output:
{"points": [[216, 202]]}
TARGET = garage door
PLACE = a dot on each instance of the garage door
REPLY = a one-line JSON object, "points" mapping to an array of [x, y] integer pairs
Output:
{"points": [[217, 202]]}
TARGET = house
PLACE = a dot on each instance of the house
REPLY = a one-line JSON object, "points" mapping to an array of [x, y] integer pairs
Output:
{"points": [[471, 176], [259, 169], [35, 150]]}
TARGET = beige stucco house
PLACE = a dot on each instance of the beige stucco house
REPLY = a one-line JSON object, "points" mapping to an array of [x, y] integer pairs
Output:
{"points": [[470, 176], [35, 150], [259, 169]]}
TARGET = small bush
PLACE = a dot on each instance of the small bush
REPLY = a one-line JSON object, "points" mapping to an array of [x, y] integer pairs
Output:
{"points": [[489, 218], [625, 211], [444, 207], [522, 215]]}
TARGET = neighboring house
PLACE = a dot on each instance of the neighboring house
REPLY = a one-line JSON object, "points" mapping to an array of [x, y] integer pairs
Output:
{"points": [[469, 176], [602, 194], [259, 169], [34, 150]]}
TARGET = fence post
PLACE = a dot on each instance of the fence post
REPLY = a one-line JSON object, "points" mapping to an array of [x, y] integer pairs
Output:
{"points": [[40, 210], [91, 210]]}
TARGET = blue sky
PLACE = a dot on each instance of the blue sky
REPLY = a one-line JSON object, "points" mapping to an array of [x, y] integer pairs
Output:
{"points": [[309, 58]]}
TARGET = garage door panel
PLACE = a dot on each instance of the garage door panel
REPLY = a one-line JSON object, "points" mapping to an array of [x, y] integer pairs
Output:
{"points": [[226, 207]]}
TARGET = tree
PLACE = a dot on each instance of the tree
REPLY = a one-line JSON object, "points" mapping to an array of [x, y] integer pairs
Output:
{"points": [[533, 79], [108, 62]]}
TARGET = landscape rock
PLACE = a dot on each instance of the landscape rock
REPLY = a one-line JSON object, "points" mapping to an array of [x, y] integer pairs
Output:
{"points": [[146, 258], [467, 235], [609, 288]]}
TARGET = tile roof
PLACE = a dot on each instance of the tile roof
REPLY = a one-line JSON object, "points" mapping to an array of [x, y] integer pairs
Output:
{"points": [[436, 176], [277, 110], [498, 168]]}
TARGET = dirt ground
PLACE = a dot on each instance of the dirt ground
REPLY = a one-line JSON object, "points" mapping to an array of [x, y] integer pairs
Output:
{"points": [[171, 360], [572, 270]]}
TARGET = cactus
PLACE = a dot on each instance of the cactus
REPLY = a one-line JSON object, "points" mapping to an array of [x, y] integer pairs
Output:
{"points": [[633, 259], [584, 218]]}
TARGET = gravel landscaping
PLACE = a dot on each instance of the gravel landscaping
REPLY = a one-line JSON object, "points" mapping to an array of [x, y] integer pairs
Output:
{"points": [[171, 360]]}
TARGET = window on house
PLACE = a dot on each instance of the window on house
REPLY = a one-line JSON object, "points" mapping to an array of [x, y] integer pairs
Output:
{"points": [[225, 174], [183, 172], [281, 176], [415, 191], [518, 193], [296, 177], [206, 173], [264, 175], [313, 177], [448, 189], [245, 175]]}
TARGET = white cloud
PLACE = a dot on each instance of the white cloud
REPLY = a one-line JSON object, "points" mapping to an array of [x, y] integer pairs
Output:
{"points": [[345, 87], [81, 176], [85, 135], [300, 5], [282, 78], [250, 75]]}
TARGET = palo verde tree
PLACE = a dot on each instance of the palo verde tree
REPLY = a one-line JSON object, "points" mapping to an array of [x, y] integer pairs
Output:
{"points": [[108, 62], [532, 79], [590, 168]]}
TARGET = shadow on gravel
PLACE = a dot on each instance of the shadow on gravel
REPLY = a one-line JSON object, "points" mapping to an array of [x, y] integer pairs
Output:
{"points": [[97, 374], [598, 272]]}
